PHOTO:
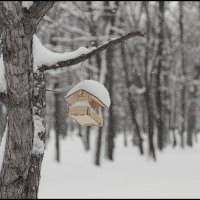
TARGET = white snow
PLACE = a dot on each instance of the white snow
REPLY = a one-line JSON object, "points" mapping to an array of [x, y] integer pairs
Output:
{"points": [[2, 75], [38, 144], [38, 124], [175, 175], [95, 88], [2, 147], [43, 56], [27, 4], [136, 90]]}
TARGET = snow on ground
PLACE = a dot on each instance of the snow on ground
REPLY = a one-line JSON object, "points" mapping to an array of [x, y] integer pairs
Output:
{"points": [[175, 175]]}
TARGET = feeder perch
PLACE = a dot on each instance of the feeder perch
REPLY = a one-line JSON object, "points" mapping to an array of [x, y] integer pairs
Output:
{"points": [[85, 100]]}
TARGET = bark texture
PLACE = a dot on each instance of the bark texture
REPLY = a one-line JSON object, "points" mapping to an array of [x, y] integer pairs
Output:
{"points": [[148, 93], [110, 17], [160, 123], [18, 61]]}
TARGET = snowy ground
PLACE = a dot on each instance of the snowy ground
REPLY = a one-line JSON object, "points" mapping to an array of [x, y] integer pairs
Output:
{"points": [[175, 175]]}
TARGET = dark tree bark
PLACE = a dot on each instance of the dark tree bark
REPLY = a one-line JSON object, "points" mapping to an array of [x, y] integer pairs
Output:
{"points": [[125, 134], [131, 101], [58, 124], [16, 178], [110, 17], [86, 139], [191, 122], [98, 147], [17, 53], [183, 92], [159, 120], [148, 92], [193, 110], [111, 120], [100, 130]]}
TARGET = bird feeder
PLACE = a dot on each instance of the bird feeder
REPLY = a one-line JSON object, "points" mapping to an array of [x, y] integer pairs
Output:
{"points": [[85, 100]]}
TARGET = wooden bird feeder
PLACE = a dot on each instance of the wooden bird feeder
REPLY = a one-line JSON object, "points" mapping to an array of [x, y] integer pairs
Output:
{"points": [[85, 102]]}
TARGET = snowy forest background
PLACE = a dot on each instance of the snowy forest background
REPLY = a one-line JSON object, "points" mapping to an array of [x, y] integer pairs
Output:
{"points": [[154, 84]]}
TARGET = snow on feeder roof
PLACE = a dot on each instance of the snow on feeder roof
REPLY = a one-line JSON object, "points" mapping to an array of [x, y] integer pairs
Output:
{"points": [[95, 88]]}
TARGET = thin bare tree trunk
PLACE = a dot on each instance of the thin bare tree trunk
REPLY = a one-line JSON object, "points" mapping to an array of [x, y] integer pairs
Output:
{"points": [[159, 120], [110, 76], [131, 101], [88, 139], [191, 123], [60, 123], [98, 147], [183, 92], [148, 92]]}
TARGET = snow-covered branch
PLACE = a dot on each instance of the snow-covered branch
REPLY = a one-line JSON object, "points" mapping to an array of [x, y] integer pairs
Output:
{"points": [[56, 60]]}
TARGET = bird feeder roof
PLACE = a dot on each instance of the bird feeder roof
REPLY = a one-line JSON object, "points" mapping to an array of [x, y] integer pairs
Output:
{"points": [[94, 88]]}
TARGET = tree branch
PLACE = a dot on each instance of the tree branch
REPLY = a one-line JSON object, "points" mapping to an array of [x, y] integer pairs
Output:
{"points": [[84, 57], [39, 9]]}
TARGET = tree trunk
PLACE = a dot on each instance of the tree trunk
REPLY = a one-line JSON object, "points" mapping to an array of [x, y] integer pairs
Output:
{"points": [[150, 123], [60, 111], [32, 183], [110, 76], [148, 92], [59, 119], [58, 125], [125, 134], [158, 76], [183, 92], [98, 146], [87, 139], [192, 120], [111, 120], [18, 61], [131, 101], [25, 103]]}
